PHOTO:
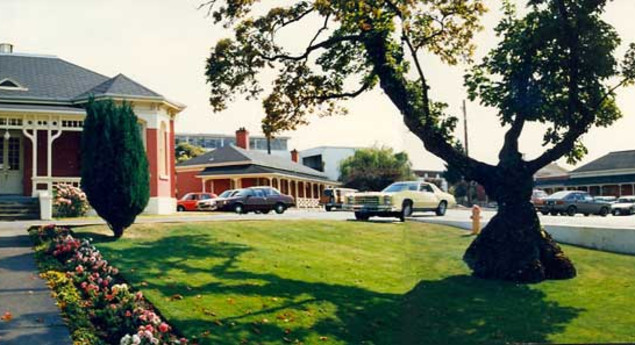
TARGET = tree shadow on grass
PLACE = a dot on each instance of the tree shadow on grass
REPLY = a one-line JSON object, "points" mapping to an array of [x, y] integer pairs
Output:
{"points": [[454, 310]]}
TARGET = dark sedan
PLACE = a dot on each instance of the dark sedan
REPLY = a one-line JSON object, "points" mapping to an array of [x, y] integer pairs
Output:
{"points": [[257, 199], [572, 203]]}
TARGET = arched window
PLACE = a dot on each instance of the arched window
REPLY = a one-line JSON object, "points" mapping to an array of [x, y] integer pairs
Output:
{"points": [[163, 151]]}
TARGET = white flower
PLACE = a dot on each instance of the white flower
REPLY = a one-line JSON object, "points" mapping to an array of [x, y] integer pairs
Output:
{"points": [[126, 340], [136, 340]]}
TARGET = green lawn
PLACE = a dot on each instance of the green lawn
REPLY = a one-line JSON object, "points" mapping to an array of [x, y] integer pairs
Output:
{"points": [[279, 282]]}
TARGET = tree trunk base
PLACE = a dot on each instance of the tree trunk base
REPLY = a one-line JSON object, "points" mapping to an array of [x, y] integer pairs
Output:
{"points": [[514, 247]]}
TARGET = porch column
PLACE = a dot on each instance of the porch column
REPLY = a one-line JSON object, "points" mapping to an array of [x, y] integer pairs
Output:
{"points": [[49, 152], [212, 186], [33, 139], [203, 182]]}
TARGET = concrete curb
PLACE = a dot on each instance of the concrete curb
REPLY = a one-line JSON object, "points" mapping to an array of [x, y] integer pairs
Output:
{"points": [[616, 240]]}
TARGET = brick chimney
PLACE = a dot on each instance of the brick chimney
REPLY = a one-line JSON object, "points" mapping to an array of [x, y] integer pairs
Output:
{"points": [[242, 138], [294, 155]]}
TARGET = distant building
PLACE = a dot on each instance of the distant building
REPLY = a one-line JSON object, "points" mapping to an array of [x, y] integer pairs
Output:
{"points": [[610, 175], [433, 176], [327, 159], [279, 145], [237, 166]]}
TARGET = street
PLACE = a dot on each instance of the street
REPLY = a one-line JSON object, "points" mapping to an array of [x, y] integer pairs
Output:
{"points": [[454, 215]]}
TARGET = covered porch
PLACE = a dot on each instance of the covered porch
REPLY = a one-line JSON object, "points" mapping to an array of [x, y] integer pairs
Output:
{"points": [[306, 191], [38, 149]]}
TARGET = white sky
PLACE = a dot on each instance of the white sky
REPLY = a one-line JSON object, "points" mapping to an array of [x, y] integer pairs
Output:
{"points": [[163, 44]]}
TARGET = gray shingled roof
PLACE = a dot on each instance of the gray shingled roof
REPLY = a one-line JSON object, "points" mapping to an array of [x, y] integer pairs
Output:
{"points": [[120, 85], [51, 79], [232, 154], [619, 160]]}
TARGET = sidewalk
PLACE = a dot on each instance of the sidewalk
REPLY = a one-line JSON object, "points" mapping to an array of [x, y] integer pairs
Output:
{"points": [[35, 318]]}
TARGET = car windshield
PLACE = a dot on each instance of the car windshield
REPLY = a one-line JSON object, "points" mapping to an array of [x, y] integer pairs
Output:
{"points": [[243, 192], [226, 194], [559, 195], [399, 187]]}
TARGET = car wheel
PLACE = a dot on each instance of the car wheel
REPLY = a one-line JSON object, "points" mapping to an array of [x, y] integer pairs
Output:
{"points": [[553, 213], [239, 209], [630, 212], [328, 208], [587, 214], [279, 208], [442, 208], [604, 211], [180, 209], [544, 213], [265, 211], [361, 216], [571, 211], [406, 210]]}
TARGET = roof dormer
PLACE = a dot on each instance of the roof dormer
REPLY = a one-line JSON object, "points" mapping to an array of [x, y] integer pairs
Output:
{"points": [[11, 85]]}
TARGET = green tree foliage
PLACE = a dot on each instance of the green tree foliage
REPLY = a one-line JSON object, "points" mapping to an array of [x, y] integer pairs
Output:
{"points": [[555, 65], [115, 174], [373, 169], [186, 151]]}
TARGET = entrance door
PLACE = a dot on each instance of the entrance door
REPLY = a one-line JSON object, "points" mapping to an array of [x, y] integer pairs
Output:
{"points": [[11, 163]]}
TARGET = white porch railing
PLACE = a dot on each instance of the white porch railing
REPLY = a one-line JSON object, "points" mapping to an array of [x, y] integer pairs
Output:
{"points": [[51, 182], [307, 203]]}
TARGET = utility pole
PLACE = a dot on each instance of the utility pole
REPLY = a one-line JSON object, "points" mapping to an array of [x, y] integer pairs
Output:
{"points": [[467, 150]]}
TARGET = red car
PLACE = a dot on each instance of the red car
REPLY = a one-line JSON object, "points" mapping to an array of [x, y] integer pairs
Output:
{"points": [[188, 201]]}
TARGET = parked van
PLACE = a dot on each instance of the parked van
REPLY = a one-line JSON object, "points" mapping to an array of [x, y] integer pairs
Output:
{"points": [[335, 197]]}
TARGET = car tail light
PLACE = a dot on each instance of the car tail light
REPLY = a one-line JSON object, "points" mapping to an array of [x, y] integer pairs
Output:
{"points": [[559, 202]]}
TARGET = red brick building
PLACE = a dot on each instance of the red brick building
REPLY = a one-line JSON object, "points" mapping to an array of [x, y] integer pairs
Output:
{"points": [[233, 167], [41, 120]]}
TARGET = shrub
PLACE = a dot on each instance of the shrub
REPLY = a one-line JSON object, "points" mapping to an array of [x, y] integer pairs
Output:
{"points": [[69, 201], [115, 173]]}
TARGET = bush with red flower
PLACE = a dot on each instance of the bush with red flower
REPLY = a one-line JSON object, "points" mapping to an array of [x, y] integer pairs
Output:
{"points": [[69, 201], [119, 315]]}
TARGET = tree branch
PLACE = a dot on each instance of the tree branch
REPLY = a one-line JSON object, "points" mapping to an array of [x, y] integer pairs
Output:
{"points": [[342, 95], [311, 48], [394, 85]]}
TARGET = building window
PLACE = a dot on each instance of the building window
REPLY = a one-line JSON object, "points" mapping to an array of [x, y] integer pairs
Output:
{"points": [[163, 151], [142, 132]]}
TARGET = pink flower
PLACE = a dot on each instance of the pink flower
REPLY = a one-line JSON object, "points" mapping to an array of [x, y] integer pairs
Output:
{"points": [[79, 269], [163, 327]]}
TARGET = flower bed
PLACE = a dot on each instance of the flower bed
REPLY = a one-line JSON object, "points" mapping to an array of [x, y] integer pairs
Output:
{"points": [[99, 306]]}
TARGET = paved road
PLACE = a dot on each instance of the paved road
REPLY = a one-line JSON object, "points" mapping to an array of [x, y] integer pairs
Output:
{"points": [[452, 215]]}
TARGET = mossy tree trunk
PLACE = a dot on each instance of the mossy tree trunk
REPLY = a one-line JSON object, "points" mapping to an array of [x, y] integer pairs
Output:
{"points": [[513, 245]]}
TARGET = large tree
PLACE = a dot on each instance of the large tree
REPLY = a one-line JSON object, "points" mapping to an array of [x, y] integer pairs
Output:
{"points": [[554, 65], [115, 173], [373, 169]]}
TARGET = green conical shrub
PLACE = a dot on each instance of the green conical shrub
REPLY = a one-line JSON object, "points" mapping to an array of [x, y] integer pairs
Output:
{"points": [[115, 174]]}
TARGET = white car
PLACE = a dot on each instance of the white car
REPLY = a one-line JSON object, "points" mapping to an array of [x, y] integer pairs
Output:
{"points": [[212, 204], [624, 206], [400, 200]]}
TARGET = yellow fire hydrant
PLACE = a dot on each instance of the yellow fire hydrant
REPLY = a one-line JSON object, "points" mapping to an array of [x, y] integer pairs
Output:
{"points": [[476, 220]]}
